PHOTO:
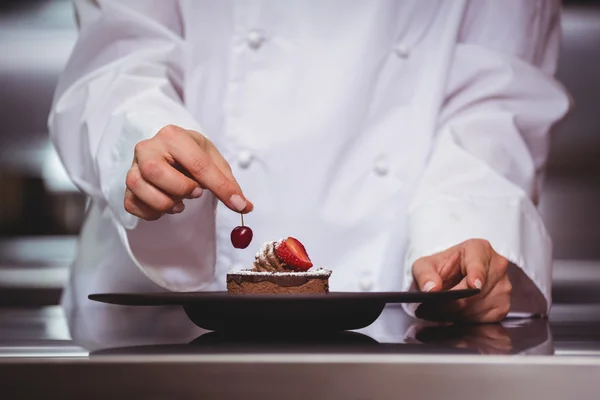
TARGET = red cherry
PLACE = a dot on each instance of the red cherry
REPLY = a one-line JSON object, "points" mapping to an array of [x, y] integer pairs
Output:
{"points": [[241, 236]]}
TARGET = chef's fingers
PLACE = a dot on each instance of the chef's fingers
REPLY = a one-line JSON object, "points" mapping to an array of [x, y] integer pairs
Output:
{"points": [[482, 308], [194, 158], [470, 305], [135, 206], [450, 263], [463, 304], [225, 168], [157, 171], [443, 277], [492, 306], [220, 162], [150, 194], [450, 270], [453, 311], [476, 258], [426, 276], [461, 285], [498, 268]]}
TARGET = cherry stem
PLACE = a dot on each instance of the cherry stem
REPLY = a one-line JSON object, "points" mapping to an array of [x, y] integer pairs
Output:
{"points": [[242, 219]]}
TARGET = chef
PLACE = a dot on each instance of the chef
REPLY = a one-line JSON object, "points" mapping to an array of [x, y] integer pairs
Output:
{"points": [[402, 142]]}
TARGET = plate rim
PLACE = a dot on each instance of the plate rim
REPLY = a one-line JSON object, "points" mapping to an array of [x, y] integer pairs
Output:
{"points": [[189, 298]]}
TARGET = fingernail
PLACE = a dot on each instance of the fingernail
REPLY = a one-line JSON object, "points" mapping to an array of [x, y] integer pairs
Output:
{"points": [[179, 207], [478, 283], [428, 286], [196, 193], [237, 202]]}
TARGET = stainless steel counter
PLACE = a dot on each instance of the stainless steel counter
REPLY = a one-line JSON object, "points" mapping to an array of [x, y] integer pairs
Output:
{"points": [[122, 353]]}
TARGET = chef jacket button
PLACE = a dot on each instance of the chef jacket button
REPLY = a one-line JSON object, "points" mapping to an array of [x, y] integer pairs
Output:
{"points": [[382, 167], [366, 283], [255, 39], [402, 50], [244, 159]]}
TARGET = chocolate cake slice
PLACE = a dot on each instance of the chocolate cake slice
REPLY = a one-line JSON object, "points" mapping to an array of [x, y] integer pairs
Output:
{"points": [[315, 281], [280, 267]]}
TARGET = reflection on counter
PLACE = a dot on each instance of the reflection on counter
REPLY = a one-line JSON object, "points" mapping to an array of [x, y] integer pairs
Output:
{"points": [[526, 336], [111, 330]]}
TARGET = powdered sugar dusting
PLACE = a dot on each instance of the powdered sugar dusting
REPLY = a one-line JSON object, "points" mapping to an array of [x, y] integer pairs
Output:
{"points": [[263, 249], [266, 259], [311, 273], [267, 247]]}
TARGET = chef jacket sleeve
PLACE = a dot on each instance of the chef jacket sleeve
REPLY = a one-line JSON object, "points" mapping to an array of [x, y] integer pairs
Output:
{"points": [[122, 83], [484, 174]]}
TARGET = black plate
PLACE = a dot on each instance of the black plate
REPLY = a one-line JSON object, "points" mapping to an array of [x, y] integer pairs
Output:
{"points": [[335, 311]]}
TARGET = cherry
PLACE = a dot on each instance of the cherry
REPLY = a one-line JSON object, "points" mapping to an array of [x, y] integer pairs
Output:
{"points": [[241, 236]]}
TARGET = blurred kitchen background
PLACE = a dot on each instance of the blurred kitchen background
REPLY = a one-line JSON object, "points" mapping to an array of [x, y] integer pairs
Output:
{"points": [[41, 211]]}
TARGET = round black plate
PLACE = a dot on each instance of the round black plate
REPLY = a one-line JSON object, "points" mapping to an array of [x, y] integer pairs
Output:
{"points": [[335, 311]]}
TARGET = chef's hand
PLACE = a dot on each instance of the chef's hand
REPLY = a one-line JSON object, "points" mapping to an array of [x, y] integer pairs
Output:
{"points": [[178, 164], [471, 264]]}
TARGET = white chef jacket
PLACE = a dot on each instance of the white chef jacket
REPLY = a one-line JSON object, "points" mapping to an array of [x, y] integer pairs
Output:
{"points": [[375, 132]]}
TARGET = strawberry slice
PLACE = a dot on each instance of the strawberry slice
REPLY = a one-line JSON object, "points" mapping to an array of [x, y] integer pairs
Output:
{"points": [[293, 253]]}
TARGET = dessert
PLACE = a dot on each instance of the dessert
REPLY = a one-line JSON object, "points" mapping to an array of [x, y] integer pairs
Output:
{"points": [[280, 267]]}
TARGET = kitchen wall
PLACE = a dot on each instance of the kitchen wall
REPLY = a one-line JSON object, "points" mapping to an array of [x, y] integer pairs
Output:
{"points": [[36, 38], [41, 211], [572, 191]]}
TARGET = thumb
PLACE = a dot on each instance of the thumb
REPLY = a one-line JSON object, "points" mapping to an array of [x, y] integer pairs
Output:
{"points": [[426, 276]]}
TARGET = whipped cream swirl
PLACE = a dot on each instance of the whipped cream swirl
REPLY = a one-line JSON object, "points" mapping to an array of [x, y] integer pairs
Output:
{"points": [[267, 261]]}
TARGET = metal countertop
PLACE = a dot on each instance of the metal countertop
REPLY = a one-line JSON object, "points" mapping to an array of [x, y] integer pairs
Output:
{"points": [[45, 351]]}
